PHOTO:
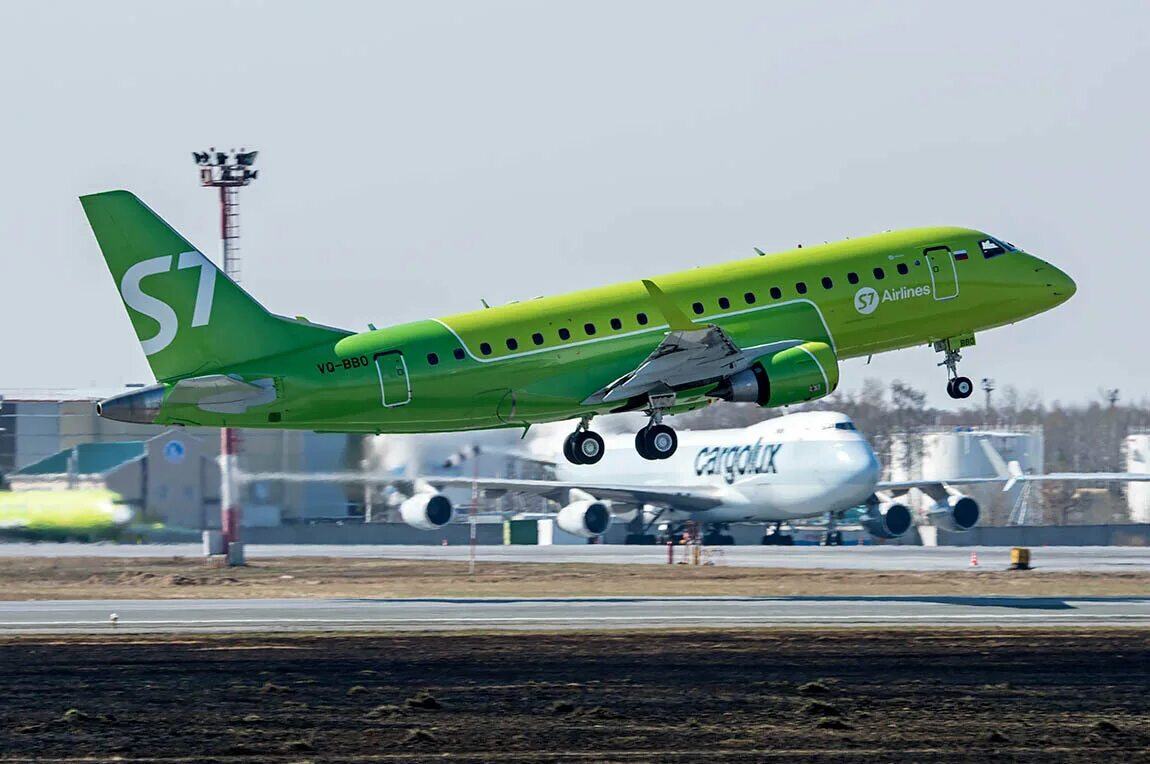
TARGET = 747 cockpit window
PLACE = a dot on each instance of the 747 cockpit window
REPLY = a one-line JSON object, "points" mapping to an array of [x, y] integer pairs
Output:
{"points": [[845, 426], [992, 247]]}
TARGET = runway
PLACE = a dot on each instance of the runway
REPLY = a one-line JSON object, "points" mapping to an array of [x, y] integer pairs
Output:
{"points": [[560, 614], [1113, 559]]}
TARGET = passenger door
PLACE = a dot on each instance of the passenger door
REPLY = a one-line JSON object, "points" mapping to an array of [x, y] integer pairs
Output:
{"points": [[394, 383], [943, 274]]}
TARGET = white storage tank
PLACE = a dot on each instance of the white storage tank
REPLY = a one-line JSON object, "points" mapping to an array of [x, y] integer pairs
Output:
{"points": [[1137, 449], [957, 452]]}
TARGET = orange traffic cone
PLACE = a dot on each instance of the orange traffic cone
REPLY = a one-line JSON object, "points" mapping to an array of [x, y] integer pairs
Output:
{"points": [[974, 559]]}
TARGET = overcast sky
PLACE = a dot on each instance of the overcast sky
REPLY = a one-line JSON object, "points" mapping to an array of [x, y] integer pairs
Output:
{"points": [[416, 157]]}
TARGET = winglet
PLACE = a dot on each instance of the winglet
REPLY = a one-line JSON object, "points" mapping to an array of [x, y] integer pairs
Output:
{"points": [[1016, 474], [676, 319], [994, 457]]}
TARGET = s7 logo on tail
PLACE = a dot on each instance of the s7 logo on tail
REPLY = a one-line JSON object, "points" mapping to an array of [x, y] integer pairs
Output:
{"points": [[160, 311]]}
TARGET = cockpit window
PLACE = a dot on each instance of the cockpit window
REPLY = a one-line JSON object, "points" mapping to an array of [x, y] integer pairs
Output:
{"points": [[845, 426], [992, 247]]}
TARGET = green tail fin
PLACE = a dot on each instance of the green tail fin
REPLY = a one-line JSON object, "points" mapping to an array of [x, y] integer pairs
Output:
{"points": [[190, 318]]}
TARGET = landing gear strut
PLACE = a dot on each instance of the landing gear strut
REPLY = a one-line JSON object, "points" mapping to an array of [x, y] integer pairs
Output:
{"points": [[639, 528], [657, 440], [956, 386], [715, 535], [711, 534], [833, 536], [584, 446]]}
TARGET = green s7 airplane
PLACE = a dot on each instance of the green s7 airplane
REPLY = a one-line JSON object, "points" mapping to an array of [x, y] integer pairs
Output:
{"points": [[85, 513], [770, 330]]}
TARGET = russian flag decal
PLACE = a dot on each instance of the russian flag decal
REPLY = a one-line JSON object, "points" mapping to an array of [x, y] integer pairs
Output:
{"points": [[960, 254]]}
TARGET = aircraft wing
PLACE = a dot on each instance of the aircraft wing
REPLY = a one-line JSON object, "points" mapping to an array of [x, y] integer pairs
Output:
{"points": [[906, 485], [686, 498], [937, 489], [1129, 477], [689, 355]]}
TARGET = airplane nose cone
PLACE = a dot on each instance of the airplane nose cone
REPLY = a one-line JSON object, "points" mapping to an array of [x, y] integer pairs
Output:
{"points": [[1052, 283], [858, 464], [1063, 286], [1060, 285]]}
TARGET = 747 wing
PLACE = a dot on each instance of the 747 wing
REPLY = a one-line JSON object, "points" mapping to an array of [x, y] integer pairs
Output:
{"points": [[684, 498]]}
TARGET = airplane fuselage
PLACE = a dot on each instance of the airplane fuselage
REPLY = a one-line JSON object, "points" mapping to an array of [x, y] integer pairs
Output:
{"points": [[80, 513], [772, 329], [788, 468], [538, 360]]}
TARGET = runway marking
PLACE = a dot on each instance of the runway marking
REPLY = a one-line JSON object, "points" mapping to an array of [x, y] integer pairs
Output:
{"points": [[941, 618]]}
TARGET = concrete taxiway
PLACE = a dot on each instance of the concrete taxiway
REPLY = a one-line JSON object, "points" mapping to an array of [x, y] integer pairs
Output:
{"points": [[557, 614], [1112, 559]]}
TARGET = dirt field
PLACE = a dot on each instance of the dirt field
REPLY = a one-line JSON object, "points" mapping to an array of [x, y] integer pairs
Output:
{"points": [[792, 696], [108, 578]]}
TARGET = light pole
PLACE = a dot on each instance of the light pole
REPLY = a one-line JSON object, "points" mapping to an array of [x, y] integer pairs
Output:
{"points": [[988, 388], [229, 172]]}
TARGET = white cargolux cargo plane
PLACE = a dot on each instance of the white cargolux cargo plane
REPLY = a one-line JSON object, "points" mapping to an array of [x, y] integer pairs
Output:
{"points": [[779, 471]]}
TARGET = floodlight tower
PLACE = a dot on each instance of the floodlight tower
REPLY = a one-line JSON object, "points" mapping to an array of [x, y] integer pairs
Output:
{"points": [[229, 172], [988, 388]]}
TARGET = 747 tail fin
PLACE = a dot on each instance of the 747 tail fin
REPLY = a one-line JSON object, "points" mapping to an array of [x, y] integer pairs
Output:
{"points": [[190, 317]]}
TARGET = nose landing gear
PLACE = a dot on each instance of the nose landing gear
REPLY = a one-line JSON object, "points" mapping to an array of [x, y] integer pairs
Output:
{"points": [[956, 387], [776, 537]]}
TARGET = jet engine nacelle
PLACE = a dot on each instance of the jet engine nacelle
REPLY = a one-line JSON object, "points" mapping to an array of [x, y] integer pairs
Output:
{"points": [[957, 513], [888, 520], [795, 375], [585, 519], [426, 511]]}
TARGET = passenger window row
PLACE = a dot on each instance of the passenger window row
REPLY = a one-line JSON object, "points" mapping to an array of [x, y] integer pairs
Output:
{"points": [[590, 330], [564, 334]]}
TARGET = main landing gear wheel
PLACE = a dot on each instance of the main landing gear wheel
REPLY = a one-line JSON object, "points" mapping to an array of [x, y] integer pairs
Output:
{"points": [[656, 441], [960, 387], [583, 447]]}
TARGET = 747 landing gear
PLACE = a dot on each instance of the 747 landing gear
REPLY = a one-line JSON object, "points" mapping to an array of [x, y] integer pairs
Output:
{"points": [[657, 440], [956, 386], [583, 446], [776, 537], [833, 536]]}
